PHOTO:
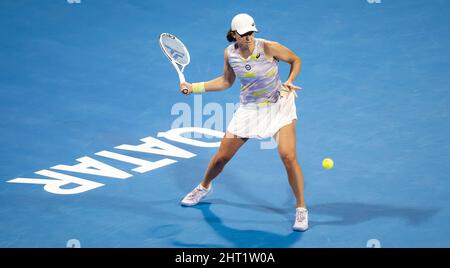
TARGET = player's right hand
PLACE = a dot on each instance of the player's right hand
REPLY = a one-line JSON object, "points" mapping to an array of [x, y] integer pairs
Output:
{"points": [[186, 85]]}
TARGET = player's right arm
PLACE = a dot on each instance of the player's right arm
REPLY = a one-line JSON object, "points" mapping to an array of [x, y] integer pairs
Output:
{"points": [[220, 83]]}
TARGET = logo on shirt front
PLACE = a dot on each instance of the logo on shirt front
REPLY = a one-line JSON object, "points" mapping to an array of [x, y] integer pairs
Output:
{"points": [[248, 67]]}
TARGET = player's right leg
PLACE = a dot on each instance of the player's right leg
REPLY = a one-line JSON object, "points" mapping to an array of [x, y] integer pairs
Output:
{"points": [[229, 145]]}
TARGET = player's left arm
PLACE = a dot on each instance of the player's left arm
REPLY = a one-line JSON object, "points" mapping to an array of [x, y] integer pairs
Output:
{"points": [[280, 52]]}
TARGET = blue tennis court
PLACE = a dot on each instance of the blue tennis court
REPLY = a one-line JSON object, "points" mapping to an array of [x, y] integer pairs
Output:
{"points": [[97, 146]]}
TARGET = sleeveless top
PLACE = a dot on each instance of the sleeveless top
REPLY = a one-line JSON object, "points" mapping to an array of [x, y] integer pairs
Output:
{"points": [[260, 81]]}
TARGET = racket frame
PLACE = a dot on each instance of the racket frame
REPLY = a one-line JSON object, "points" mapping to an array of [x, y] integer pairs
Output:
{"points": [[175, 64]]}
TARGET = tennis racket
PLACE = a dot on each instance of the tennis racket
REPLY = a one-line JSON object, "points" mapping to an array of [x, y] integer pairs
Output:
{"points": [[177, 53]]}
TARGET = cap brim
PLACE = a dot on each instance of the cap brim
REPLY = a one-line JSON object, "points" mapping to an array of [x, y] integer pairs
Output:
{"points": [[246, 30]]}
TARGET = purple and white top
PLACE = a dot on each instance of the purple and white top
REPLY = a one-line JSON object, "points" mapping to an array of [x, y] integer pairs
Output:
{"points": [[260, 81]]}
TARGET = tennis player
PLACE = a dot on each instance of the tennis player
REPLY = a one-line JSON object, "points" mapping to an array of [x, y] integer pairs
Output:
{"points": [[267, 107]]}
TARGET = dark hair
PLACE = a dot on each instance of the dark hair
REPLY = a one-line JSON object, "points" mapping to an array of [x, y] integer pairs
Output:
{"points": [[230, 37]]}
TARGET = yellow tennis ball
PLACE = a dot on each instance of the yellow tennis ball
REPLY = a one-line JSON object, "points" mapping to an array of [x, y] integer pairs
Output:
{"points": [[327, 163]]}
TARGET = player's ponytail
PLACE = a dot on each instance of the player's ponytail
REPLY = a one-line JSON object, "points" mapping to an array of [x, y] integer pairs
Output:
{"points": [[230, 37]]}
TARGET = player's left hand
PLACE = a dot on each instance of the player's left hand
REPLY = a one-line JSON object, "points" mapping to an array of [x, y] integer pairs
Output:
{"points": [[291, 87]]}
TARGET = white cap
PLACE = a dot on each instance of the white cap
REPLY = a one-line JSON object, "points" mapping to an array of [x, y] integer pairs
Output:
{"points": [[243, 23]]}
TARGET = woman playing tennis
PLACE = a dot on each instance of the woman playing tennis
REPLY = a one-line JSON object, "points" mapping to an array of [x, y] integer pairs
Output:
{"points": [[267, 107]]}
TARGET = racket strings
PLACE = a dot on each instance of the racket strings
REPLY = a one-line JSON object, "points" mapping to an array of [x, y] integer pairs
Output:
{"points": [[175, 50]]}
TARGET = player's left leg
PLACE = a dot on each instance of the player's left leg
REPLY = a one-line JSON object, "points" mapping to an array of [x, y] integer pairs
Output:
{"points": [[288, 154]]}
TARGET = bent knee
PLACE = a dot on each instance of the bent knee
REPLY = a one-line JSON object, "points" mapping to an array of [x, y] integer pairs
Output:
{"points": [[221, 160], [288, 157]]}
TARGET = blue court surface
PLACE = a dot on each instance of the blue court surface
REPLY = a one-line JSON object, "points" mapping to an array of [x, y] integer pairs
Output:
{"points": [[90, 108]]}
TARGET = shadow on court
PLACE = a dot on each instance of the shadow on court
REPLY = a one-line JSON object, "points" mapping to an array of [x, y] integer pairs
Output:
{"points": [[355, 213], [243, 238], [350, 214]]}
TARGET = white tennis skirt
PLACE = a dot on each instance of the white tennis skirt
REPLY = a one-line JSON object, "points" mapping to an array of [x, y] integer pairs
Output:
{"points": [[250, 121]]}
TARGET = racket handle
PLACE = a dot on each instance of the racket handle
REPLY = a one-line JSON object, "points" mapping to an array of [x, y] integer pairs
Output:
{"points": [[182, 80]]}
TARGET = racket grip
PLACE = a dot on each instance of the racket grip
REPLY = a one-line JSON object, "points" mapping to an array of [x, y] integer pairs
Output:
{"points": [[182, 80]]}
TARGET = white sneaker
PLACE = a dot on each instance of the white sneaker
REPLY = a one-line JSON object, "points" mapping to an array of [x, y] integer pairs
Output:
{"points": [[301, 220], [194, 197]]}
